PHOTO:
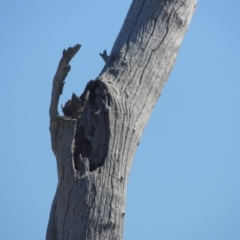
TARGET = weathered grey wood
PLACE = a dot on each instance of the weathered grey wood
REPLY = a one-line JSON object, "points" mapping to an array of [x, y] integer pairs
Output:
{"points": [[94, 143], [59, 78]]}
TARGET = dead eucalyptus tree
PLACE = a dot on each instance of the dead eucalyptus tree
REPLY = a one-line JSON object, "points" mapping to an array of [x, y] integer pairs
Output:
{"points": [[95, 141]]}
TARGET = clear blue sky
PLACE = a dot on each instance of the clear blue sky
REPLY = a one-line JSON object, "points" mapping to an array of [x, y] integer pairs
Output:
{"points": [[185, 179]]}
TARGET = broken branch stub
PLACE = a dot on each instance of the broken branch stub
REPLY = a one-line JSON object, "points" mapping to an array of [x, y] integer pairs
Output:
{"points": [[59, 78]]}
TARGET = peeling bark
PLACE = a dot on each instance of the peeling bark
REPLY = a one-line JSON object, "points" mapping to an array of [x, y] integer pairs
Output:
{"points": [[95, 141]]}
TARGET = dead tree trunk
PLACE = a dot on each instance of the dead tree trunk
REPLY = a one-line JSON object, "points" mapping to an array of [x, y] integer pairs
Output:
{"points": [[95, 141]]}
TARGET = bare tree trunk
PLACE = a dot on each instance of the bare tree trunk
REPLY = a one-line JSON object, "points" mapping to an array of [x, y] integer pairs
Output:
{"points": [[95, 141]]}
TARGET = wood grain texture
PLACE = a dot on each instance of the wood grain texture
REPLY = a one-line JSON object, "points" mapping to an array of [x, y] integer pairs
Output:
{"points": [[94, 143]]}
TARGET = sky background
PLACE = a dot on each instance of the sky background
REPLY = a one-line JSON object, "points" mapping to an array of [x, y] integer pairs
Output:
{"points": [[185, 181]]}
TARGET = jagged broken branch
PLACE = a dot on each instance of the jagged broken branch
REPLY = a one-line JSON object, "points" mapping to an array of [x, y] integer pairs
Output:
{"points": [[104, 56], [59, 78]]}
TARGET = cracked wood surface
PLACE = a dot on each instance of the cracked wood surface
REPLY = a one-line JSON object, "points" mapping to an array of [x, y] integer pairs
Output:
{"points": [[94, 143]]}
